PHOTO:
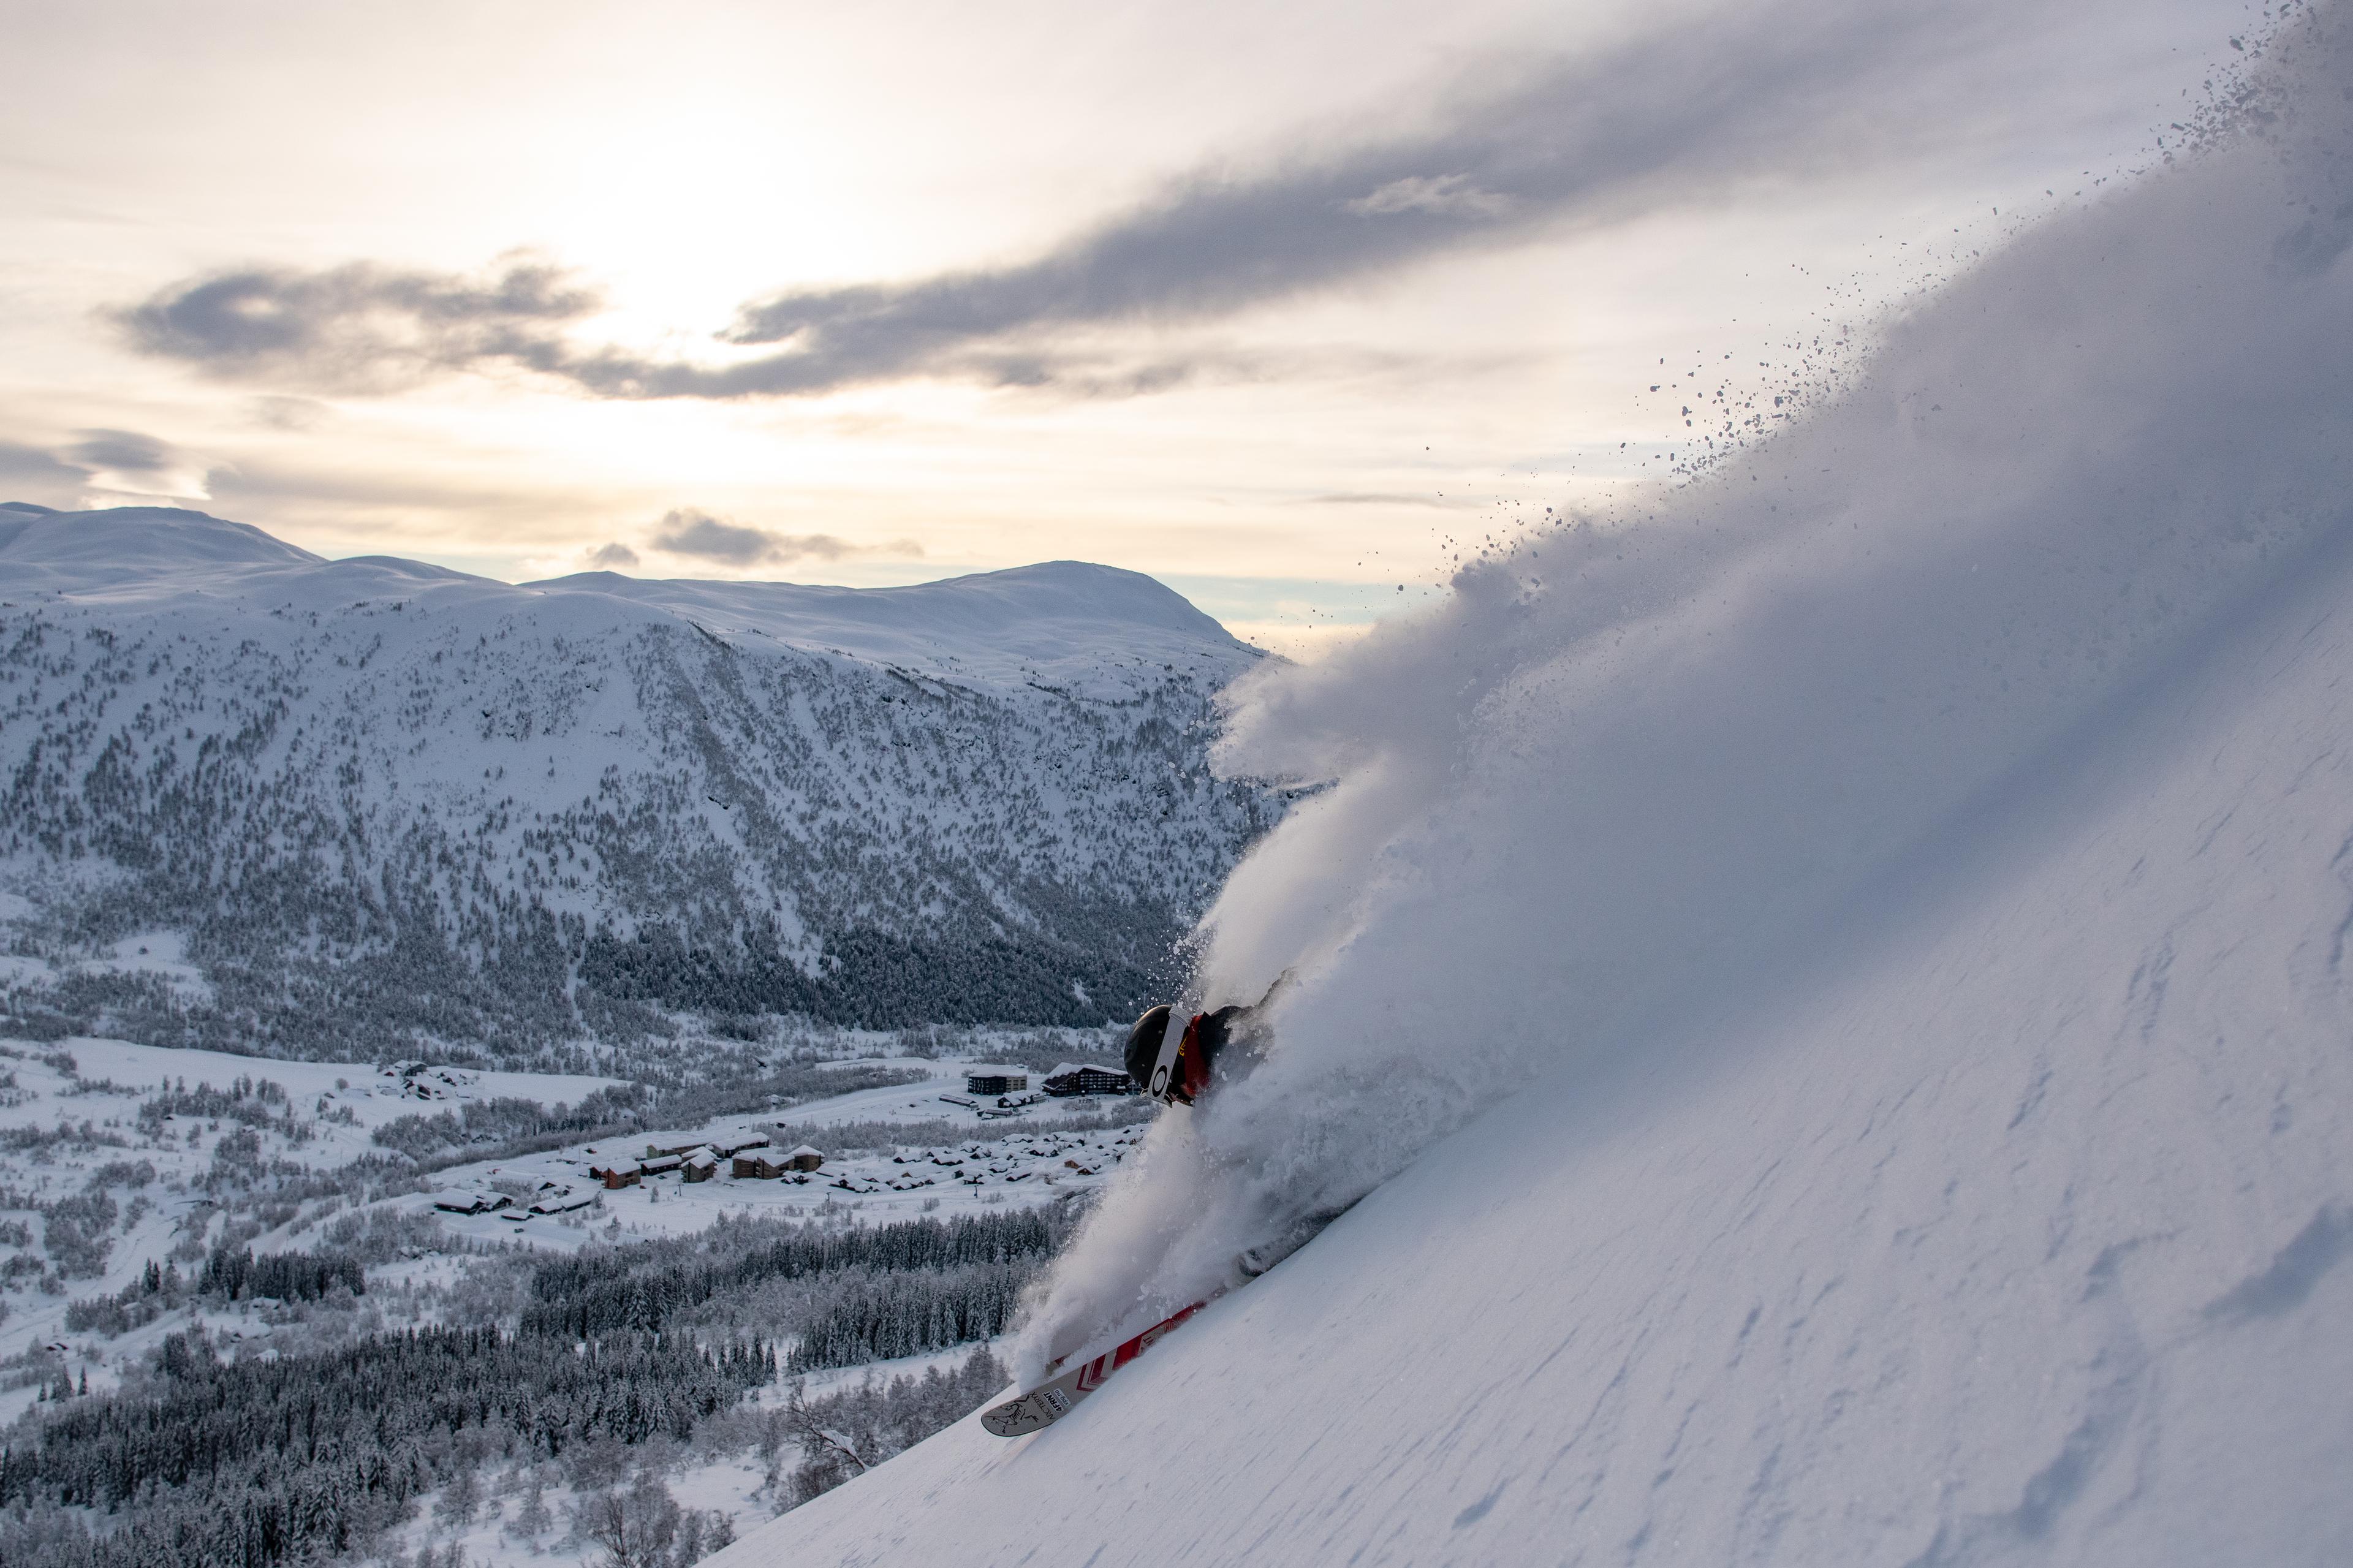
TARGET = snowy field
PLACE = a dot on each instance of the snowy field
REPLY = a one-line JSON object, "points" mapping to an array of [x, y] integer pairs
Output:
{"points": [[338, 1105], [371, 1095], [1026, 1157]]}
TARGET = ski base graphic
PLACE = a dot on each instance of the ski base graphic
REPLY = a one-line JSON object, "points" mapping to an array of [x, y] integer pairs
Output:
{"points": [[1076, 1378]]}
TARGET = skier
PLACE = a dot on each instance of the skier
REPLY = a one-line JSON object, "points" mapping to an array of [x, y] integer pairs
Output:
{"points": [[1177, 1058]]}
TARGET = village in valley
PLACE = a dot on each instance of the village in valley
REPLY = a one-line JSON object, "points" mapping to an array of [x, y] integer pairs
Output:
{"points": [[164, 1207], [674, 1181]]}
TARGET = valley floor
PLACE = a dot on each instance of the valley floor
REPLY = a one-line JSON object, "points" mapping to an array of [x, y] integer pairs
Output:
{"points": [[159, 1159]]}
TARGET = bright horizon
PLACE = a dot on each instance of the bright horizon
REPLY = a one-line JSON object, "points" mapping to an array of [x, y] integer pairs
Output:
{"points": [[1284, 311]]}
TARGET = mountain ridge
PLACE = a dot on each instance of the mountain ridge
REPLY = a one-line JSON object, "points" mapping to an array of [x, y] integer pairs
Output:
{"points": [[440, 810]]}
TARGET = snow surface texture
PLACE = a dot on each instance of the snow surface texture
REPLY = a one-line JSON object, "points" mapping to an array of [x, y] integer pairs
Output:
{"points": [[387, 803], [1843, 975]]}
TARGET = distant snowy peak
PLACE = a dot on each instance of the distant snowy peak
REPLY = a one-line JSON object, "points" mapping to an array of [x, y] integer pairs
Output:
{"points": [[988, 625], [63, 550], [1055, 623]]}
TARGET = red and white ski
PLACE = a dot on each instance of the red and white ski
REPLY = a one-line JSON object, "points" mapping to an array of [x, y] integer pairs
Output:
{"points": [[1075, 1377]]}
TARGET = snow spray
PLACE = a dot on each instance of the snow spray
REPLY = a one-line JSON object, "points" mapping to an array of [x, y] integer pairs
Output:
{"points": [[1654, 746]]}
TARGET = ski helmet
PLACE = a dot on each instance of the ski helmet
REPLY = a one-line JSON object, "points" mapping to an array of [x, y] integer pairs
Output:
{"points": [[1143, 1045]]}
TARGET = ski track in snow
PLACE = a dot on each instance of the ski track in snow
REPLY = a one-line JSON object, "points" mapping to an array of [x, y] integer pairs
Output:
{"points": [[1840, 979]]}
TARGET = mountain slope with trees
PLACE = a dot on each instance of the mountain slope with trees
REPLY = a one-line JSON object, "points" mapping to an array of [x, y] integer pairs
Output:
{"points": [[390, 805]]}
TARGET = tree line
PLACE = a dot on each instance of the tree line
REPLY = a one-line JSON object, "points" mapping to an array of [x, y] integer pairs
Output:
{"points": [[255, 1462], [643, 1287], [266, 1462], [895, 852]]}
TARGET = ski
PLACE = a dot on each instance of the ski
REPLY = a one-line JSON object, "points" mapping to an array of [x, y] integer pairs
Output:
{"points": [[1074, 1378]]}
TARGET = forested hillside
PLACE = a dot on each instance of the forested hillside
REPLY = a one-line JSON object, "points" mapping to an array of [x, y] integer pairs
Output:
{"points": [[383, 804], [622, 1354]]}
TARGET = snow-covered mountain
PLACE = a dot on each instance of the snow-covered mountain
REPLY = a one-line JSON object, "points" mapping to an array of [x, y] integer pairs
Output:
{"points": [[1836, 986], [368, 801]]}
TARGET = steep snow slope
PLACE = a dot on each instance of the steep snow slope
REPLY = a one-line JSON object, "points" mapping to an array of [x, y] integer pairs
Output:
{"points": [[386, 801], [1842, 974], [2023, 1241]]}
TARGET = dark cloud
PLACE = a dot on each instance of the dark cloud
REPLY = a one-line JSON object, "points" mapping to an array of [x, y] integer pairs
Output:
{"points": [[697, 534], [705, 537], [127, 462], [33, 468], [613, 557], [1776, 89], [1660, 119], [134, 463], [361, 328], [124, 452], [280, 413]]}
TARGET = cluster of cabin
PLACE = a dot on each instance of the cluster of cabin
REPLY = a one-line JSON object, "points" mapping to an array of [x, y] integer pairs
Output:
{"points": [[467, 1200], [750, 1156], [423, 1080], [546, 1199], [801, 1160], [747, 1156]]}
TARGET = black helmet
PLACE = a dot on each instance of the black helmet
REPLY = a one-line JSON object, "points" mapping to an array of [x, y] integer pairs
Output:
{"points": [[1143, 1045]]}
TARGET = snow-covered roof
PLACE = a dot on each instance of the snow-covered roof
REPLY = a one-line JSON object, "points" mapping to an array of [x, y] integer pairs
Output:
{"points": [[804, 1149]]}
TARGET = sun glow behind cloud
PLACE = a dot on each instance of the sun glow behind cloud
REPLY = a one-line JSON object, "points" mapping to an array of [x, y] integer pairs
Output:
{"points": [[681, 175]]}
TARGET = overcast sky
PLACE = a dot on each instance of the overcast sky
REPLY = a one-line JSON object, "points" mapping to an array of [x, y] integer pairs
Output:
{"points": [[1270, 301]]}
